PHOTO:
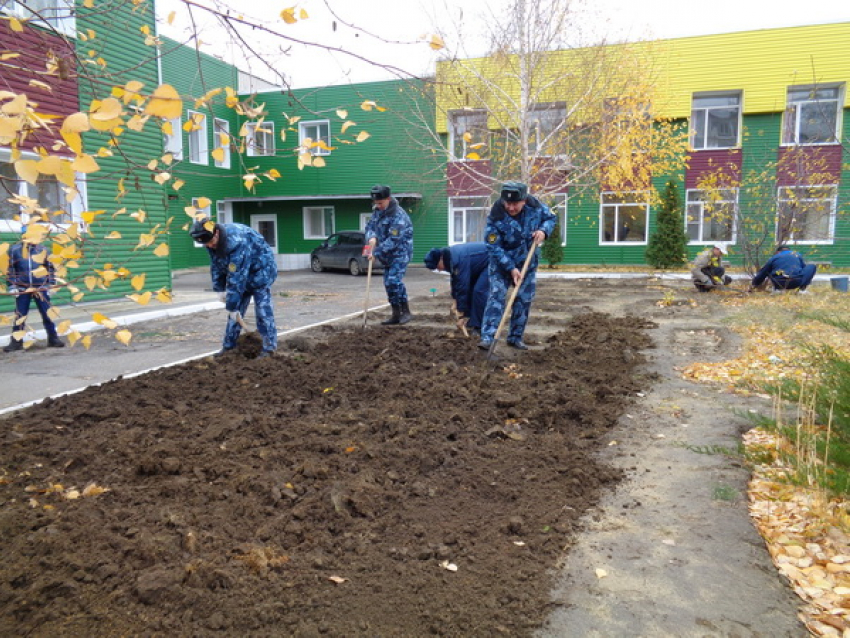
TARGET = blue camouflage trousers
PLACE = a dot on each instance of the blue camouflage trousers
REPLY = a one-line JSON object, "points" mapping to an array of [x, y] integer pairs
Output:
{"points": [[265, 320], [499, 285], [394, 282], [42, 302]]}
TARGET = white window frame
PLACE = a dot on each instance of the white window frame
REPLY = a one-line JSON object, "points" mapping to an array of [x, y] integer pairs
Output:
{"points": [[635, 198], [831, 200], [266, 217], [221, 127], [198, 138], [693, 198], [174, 143], [711, 112], [266, 130], [544, 122], [364, 220], [461, 122], [796, 102], [559, 206], [57, 14], [224, 212], [328, 221], [306, 140], [457, 207], [73, 208]]}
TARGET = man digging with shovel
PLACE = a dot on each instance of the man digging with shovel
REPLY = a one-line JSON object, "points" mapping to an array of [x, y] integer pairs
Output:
{"points": [[517, 224]]}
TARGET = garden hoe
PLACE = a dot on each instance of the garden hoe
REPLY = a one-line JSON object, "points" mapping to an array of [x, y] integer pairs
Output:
{"points": [[509, 306], [368, 286]]}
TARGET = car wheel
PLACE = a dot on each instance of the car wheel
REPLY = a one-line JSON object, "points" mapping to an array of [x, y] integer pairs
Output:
{"points": [[316, 265], [354, 267]]}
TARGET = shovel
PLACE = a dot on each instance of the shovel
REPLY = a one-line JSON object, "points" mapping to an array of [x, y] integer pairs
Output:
{"points": [[368, 285], [510, 303]]}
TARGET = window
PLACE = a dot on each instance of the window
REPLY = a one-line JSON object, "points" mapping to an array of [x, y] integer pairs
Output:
{"points": [[558, 205], [59, 14], [806, 214], [196, 126], [266, 225], [469, 218], [468, 134], [543, 127], [173, 141], [715, 120], [318, 222], [221, 142], [315, 137], [47, 194], [205, 211], [710, 215], [224, 212], [623, 218], [811, 116], [260, 138]]}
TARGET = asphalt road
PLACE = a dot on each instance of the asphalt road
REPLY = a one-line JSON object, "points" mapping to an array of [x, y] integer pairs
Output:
{"points": [[302, 299]]}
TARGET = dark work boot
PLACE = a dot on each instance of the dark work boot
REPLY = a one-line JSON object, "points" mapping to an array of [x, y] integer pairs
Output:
{"points": [[55, 342], [14, 344], [395, 316], [405, 313]]}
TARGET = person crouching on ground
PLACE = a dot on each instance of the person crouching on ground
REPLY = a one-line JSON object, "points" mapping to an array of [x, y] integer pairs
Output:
{"points": [[517, 223], [708, 272], [30, 277], [787, 271], [389, 237], [242, 266], [470, 282]]}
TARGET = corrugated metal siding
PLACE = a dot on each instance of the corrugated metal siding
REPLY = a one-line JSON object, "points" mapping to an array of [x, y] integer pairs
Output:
{"points": [[193, 74], [702, 163], [797, 163], [120, 43]]}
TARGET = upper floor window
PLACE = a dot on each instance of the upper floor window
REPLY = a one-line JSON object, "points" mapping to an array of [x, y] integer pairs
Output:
{"points": [[196, 126], [806, 214], [558, 205], [221, 142], [710, 215], [173, 138], [315, 137], [19, 199], [624, 218], [58, 14], [544, 123], [318, 222], [260, 138], [812, 115], [468, 134], [715, 120], [469, 218]]}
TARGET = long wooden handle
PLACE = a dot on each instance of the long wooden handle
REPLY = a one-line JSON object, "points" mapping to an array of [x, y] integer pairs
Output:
{"points": [[368, 285], [510, 303], [241, 321]]}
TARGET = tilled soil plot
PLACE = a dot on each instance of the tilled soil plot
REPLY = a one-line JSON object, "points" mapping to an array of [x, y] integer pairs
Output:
{"points": [[381, 482]]}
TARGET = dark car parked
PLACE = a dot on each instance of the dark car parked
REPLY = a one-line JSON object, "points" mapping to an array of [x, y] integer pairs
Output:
{"points": [[343, 251]]}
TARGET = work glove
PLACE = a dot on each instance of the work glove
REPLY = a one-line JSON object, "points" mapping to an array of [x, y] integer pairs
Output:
{"points": [[717, 281], [367, 250], [235, 316], [222, 296]]}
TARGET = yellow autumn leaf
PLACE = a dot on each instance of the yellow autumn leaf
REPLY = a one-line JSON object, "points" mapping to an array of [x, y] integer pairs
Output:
{"points": [[103, 320], [161, 250], [27, 170], [50, 165], [92, 489], [38, 84], [203, 202], [218, 154], [85, 164], [138, 282], [273, 173], [142, 299], [113, 235], [163, 296], [145, 240], [165, 102], [303, 14], [318, 162], [161, 178], [145, 29], [473, 156], [363, 136], [341, 113], [178, 184], [90, 215], [368, 105], [88, 4], [16, 25], [53, 313], [346, 125], [86, 341], [107, 111], [436, 42], [288, 15], [76, 123]]}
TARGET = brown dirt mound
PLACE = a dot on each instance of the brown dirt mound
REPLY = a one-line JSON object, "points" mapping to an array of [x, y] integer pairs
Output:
{"points": [[327, 491]]}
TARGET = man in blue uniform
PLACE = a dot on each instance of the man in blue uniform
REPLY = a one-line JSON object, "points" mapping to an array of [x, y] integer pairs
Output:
{"points": [[30, 277], [516, 223], [389, 236], [786, 271], [470, 283], [242, 266]]}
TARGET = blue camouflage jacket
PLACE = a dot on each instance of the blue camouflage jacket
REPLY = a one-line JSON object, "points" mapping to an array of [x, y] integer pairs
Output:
{"points": [[394, 232], [785, 264], [24, 260], [241, 262], [469, 262], [508, 238]]}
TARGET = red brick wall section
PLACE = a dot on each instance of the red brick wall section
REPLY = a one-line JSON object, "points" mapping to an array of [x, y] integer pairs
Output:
{"points": [[809, 165], [469, 178], [703, 163], [35, 46]]}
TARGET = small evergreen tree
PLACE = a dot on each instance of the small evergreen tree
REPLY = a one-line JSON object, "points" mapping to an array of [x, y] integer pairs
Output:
{"points": [[668, 245], [553, 252]]}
